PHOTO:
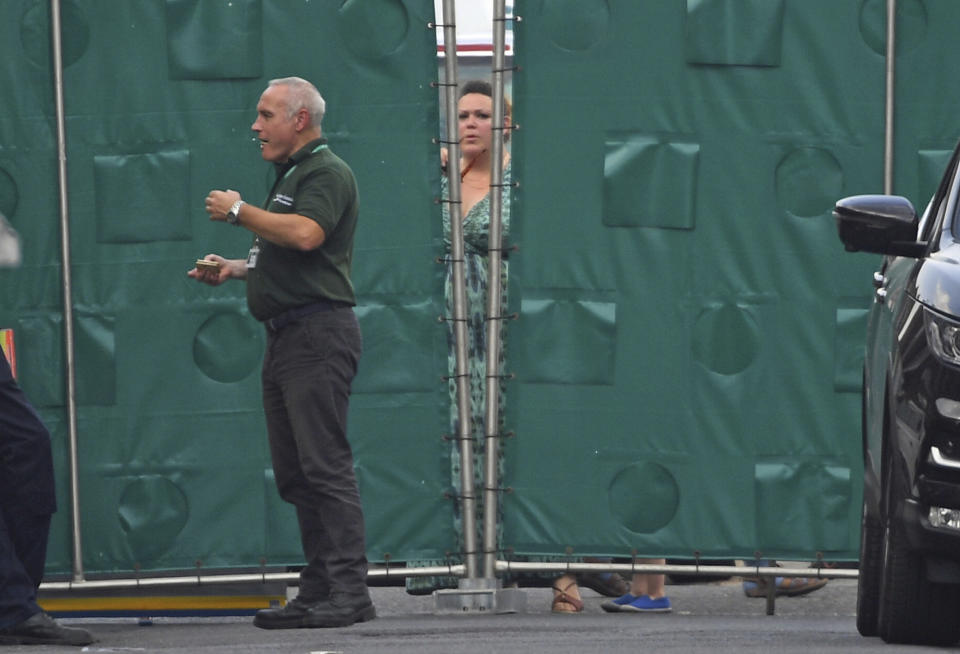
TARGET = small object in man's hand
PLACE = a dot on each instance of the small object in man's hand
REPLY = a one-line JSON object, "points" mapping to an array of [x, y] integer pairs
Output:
{"points": [[212, 266]]}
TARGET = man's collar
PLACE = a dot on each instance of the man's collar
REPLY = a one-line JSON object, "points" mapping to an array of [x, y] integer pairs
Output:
{"points": [[306, 150], [299, 155]]}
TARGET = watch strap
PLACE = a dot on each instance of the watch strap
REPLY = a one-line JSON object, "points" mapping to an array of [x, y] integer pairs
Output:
{"points": [[233, 216]]}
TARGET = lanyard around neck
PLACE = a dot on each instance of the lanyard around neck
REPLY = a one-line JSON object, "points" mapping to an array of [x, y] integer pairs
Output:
{"points": [[322, 146]]}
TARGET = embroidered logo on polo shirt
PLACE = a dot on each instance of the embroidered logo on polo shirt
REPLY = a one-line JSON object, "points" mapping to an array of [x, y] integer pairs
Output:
{"points": [[285, 200]]}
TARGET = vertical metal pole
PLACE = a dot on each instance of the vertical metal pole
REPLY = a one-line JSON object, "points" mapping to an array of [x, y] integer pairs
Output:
{"points": [[491, 494], [891, 93], [56, 30], [465, 437]]}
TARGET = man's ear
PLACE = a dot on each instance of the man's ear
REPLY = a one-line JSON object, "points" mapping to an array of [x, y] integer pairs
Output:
{"points": [[302, 120]]}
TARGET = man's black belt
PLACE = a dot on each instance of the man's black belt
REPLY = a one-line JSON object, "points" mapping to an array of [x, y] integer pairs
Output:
{"points": [[281, 320]]}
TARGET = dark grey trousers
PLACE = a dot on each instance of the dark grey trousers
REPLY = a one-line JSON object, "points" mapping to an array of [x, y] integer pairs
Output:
{"points": [[307, 372], [27, 500]]}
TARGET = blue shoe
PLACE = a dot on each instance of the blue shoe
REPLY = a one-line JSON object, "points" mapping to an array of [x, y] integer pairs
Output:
{"points": [[646, 604], [616, 605]]}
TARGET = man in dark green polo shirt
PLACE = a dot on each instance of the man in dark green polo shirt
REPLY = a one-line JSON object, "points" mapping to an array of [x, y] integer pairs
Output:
{"points": [[298, 285]]}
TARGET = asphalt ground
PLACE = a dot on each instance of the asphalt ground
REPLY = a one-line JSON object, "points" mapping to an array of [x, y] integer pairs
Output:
{"points": [[707, 617]]}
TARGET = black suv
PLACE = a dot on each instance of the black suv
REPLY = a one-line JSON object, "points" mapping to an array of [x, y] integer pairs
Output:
{"points": [[909, 581]]}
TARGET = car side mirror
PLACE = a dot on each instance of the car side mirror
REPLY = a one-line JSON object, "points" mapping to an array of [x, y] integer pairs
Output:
{"points": [[884, 224]]}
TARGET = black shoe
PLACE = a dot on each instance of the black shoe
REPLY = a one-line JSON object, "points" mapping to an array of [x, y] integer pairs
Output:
{"points": [[334, 612], [41, 629], [288, 616]]}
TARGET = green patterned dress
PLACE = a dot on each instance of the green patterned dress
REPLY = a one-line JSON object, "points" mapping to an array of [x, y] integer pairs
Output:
{"points": [[476, 245], [476, 226]]}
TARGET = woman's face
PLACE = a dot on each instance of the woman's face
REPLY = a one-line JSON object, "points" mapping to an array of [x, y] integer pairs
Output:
{"points": [[475, 118]]}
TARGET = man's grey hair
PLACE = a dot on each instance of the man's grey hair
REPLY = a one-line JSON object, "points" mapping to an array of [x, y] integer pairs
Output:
{"points": [[303, 95]]}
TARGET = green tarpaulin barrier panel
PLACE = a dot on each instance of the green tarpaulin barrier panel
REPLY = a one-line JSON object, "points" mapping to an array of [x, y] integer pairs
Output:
{"points": [[690, 339], [690, 335], [159, 98]]}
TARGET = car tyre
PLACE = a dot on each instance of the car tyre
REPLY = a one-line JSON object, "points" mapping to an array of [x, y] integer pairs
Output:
{"points": [[871, 574], [912, 609]]}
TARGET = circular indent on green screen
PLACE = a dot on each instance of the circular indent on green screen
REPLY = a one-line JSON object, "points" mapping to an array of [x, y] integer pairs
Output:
{"points": [[726, 339], [910, 30], [9, 196], [808, 182], [228, 347], [644, 497], [35, 32], [575, 24], [152, 513], [373, 29]]}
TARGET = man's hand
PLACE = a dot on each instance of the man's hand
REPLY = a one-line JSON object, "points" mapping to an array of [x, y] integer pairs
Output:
{"points": [[218, 203], [236, 268]]}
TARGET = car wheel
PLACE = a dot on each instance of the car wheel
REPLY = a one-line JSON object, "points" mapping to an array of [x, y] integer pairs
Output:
{"points": [[871, 571], [912, 609]]}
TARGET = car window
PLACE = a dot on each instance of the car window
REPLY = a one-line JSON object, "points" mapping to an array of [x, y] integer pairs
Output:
{"points": [[945, 224], [936, 219], [952, 224]]}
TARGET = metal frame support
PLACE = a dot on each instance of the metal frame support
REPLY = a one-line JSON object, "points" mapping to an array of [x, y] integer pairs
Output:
{"points": [[491, 493], [56, 34], [888, 158], [476, 594], [464, 436]]}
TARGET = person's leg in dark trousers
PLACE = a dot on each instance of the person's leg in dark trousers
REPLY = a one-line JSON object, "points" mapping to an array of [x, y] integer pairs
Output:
{"points": [[308, 370], [27, 500], [23, 548]]}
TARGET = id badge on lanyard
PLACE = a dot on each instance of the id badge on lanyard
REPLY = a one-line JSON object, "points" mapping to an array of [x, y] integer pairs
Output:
{"points": [[253, 255]]}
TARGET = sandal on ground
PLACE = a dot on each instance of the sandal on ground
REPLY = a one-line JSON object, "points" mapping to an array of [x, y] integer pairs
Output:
{"points": [[562, 601]]}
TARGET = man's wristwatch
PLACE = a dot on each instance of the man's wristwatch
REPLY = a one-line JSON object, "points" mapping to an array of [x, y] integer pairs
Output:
{"points": [[233, 216]]}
